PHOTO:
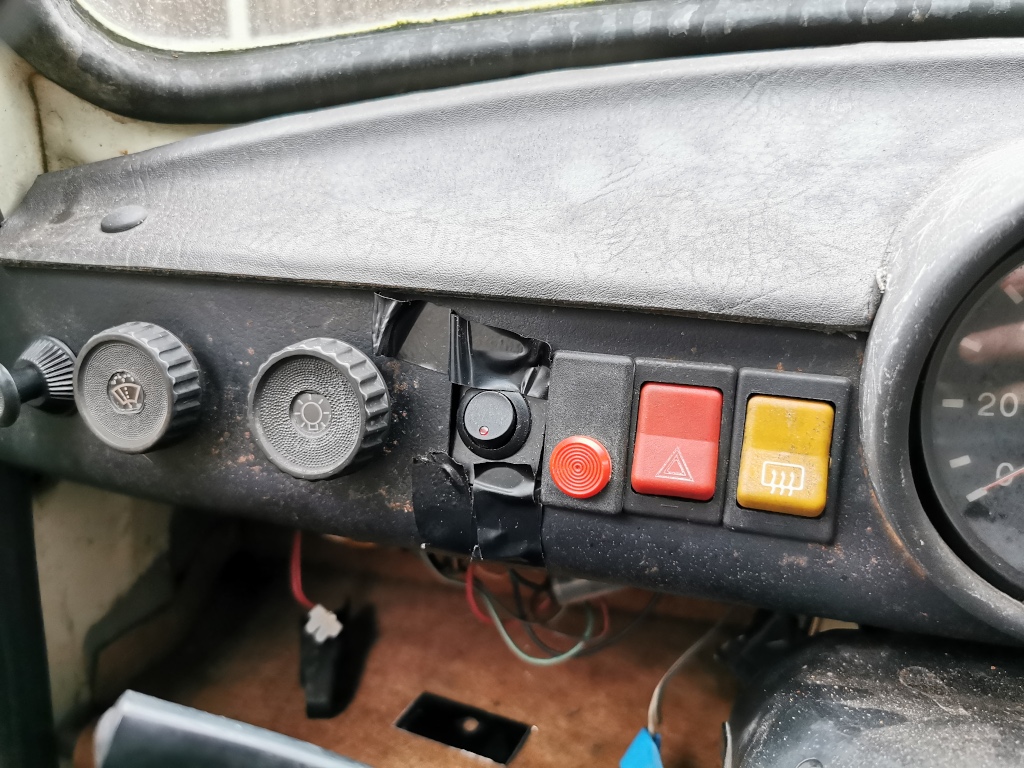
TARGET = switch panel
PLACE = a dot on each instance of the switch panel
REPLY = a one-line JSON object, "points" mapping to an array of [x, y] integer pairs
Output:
{"points": [[787, 454]]}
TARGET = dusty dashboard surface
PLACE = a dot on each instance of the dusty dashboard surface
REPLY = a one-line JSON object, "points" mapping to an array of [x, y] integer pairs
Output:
{"points": [[622, 322]]}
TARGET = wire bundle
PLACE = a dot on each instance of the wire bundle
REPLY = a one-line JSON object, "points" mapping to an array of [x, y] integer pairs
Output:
{"points": [[525, 614]]}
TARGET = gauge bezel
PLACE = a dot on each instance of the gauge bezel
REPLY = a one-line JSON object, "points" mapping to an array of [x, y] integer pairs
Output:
{"points": [[969, 225], [938, 502]]}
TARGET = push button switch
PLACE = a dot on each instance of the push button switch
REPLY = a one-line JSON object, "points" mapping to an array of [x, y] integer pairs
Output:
{"points": [[784, 461], [677, 437], [580, 466]]}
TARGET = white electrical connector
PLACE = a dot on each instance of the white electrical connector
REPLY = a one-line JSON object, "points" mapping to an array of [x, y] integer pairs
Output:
{"points": [[323, 624]]}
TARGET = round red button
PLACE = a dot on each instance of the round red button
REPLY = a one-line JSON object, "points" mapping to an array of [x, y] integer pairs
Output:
{"points": [[580, 466]]}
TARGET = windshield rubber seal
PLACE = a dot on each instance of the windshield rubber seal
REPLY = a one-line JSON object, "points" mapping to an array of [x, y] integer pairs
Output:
{"points": [[69, 47]]}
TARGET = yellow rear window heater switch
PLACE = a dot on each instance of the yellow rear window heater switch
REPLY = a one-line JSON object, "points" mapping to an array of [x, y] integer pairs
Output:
{"points": [[785, 455]]}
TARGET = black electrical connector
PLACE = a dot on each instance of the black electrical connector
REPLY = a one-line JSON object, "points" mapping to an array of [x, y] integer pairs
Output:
{"points": [[332, 660]]}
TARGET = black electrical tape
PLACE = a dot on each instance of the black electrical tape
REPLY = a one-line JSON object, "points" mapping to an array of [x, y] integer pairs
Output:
{"points": [[495, 516], [392, 320], [508, 518], [473, 354], [443, 504], [484, 357]]}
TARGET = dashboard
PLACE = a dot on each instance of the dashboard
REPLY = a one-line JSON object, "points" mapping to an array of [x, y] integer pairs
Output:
{"points": [[727, 327]]}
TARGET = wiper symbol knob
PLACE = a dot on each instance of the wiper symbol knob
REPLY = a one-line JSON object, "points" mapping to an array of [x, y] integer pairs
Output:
{"points": [[125, 393]]}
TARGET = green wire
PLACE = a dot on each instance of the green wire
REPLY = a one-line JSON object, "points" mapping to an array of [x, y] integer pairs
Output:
{"points": [[546, 661]]}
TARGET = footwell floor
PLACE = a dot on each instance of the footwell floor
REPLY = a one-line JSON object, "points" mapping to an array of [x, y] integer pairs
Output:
{"points": [[584, 712]]}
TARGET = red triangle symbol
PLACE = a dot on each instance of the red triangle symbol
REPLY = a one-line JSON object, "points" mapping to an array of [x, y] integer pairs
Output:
{"points": [[675, 468]]}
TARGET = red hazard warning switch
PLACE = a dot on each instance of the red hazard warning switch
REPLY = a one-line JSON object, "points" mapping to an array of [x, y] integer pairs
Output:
{"points": [[676, 447]]}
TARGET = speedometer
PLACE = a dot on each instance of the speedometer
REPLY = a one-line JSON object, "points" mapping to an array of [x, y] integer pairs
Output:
{"points": [[971, 415]]}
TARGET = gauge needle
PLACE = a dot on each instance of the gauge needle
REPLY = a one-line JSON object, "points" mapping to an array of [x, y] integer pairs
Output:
{"points": [[975, 495]]}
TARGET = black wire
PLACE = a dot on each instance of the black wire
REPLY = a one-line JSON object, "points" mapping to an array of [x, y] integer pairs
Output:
{"points": [[433, 562], [498, 604], [544, 586], [607, 642], [517, 595], [519, 613]]}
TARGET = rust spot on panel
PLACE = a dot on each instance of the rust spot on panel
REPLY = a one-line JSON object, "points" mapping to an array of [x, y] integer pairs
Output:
{"points": [[887, 526]]}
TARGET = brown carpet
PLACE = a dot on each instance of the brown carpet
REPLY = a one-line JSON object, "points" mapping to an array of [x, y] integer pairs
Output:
{"points": [[585, 712]]}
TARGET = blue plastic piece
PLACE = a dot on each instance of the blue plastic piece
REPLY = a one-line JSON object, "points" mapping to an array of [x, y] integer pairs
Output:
{"points": [[644, 752]]}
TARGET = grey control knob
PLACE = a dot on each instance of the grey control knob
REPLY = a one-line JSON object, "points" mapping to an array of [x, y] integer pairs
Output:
{"points": [[137, 386], [41, 377], [319, 407]]}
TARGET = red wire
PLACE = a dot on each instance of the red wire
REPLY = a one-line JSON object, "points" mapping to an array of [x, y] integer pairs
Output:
{"points": [[295, 570], [471, 597], [606, 619]]}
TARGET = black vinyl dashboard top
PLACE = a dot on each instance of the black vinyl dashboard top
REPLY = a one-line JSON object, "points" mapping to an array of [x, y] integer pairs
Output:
{"points": [[758, 186]]}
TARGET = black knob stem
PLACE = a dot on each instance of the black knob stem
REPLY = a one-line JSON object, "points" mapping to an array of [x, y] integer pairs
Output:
{"points": [[41, 377], [30, 382], [18, 386]]}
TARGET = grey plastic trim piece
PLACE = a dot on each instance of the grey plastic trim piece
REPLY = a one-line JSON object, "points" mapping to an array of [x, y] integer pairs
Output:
{"points": [[958, 233], [757, 186], [589, 395], [805, 386], [140, 730], [123, 219], [68, 47]]}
